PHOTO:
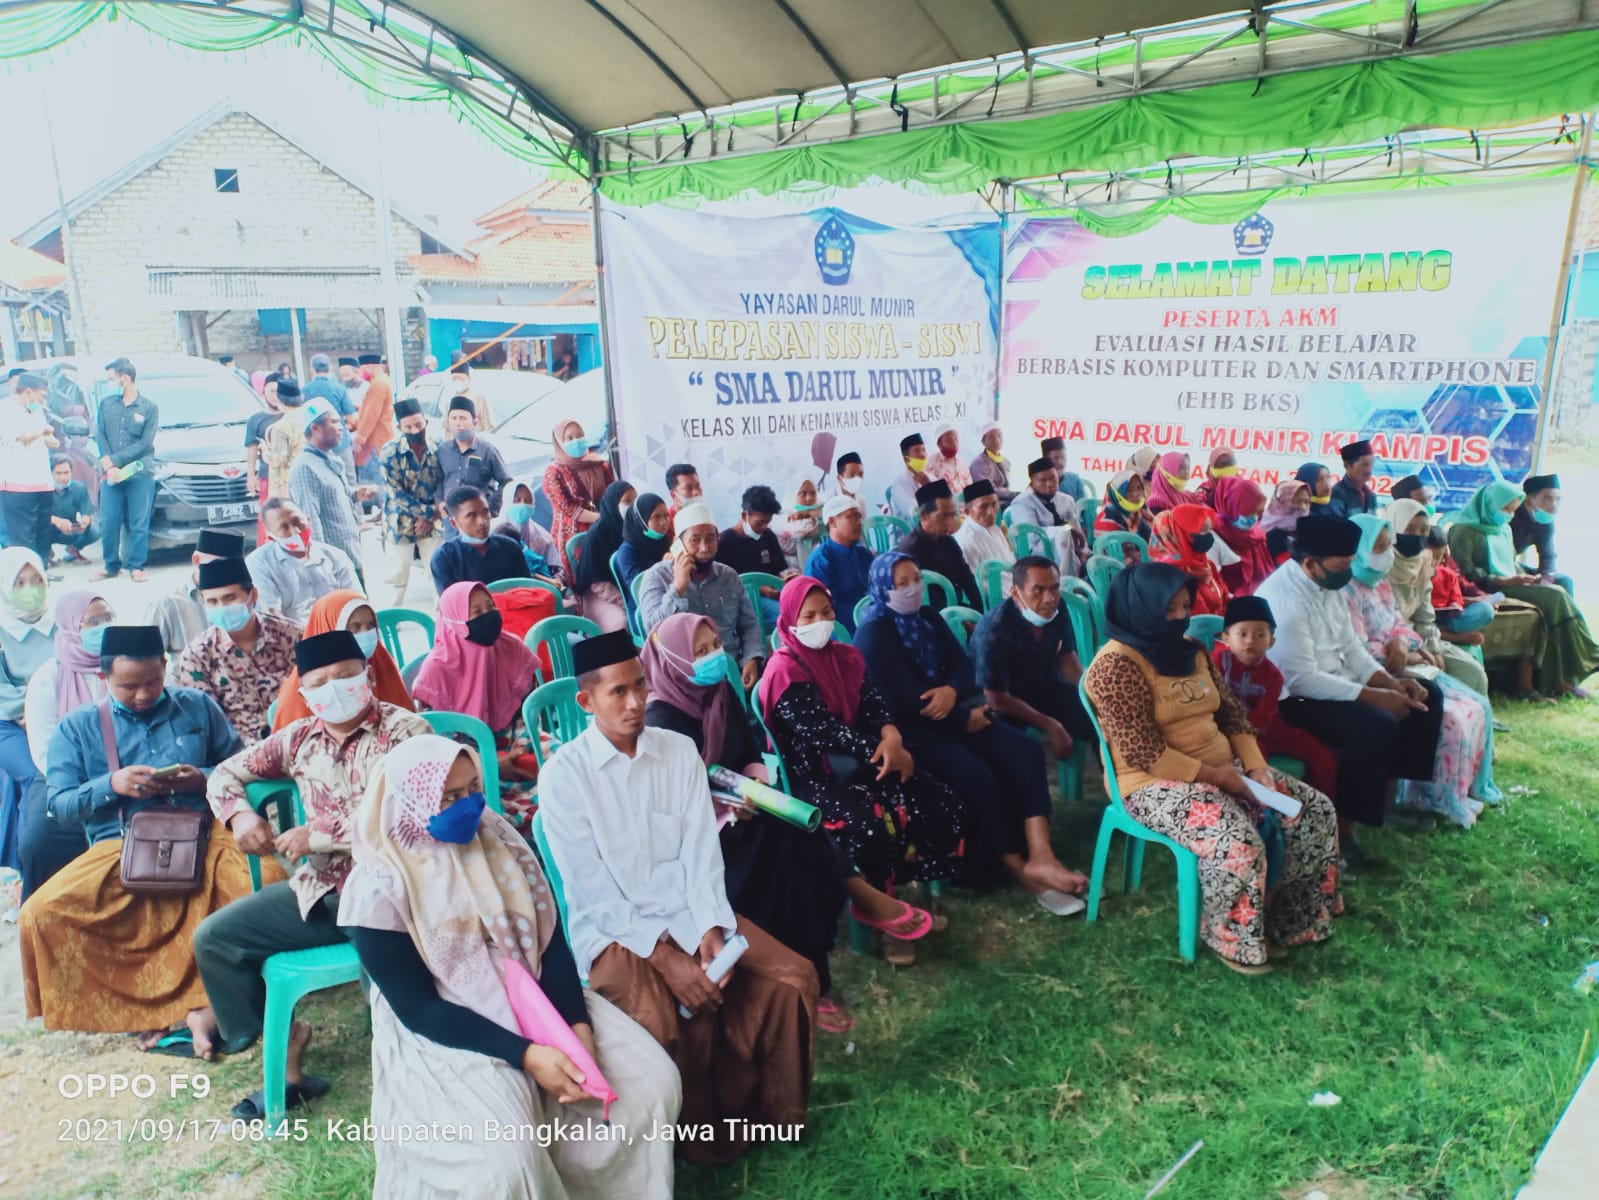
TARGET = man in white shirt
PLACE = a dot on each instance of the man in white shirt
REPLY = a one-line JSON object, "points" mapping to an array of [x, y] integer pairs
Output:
{"points": [[627, 813], [980, 537], [292, 572], [902, 490], [1382, 729]]}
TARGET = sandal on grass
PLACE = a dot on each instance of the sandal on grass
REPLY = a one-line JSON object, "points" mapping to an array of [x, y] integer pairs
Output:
{"points": [[1245, 968], [898, 954], [253, 1106], [910, 924], [175, 1043], [831, 1017]]}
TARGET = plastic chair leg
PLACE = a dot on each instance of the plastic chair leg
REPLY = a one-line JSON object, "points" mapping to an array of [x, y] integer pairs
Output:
{"points": [[1096, 876], [1187, 906], [1133, 864], [275, 1049]]}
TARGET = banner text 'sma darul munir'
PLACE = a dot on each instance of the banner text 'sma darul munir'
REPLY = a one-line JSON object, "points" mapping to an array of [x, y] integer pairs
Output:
{"points": [[1314, 275], [741, 340]]}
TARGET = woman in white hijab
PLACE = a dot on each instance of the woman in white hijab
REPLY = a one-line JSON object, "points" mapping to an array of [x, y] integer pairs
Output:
{"points": [[27, 642], [799, 530], [444, 891]]}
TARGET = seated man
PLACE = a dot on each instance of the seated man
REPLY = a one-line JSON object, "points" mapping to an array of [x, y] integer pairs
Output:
{"points": [[902, 488], [841, 564], [474, 554], [1353, 494], [1382, 729], [1533, 527], [1026, 659], [329, 756], [628, 815], [180, 616], [991, 466], [933, 546], [980, 537], [1043, 504], [1070, 483], [291, 571], [95, 957], [240, 661], [691, 580], [72, 523], [751, 545]]}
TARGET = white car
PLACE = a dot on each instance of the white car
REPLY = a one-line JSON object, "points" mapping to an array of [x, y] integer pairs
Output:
{"points": [[524, 440], [508, 393]]}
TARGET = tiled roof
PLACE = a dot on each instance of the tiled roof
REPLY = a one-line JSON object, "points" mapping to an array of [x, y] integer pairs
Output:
{"points": [[537, 254], [28, 270], [552, 195]]}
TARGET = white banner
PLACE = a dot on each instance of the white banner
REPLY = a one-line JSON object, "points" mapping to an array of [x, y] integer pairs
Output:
{"points": [[760, 348], [1417, 319]]}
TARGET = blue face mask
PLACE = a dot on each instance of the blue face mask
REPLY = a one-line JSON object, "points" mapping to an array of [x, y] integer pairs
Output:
{"points": [[160, 702], [1543, 518], [711, 669], [1244, 523], [368, 641], [576, 447], [93, 639], [518, 514], [458, 824], [650, 533], [463, 436], [470, 540], [231, 617], [35, 406], [1033, 618]]}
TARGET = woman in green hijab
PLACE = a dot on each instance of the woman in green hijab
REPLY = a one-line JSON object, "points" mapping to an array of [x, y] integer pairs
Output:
{"points": [[1484, 550]]}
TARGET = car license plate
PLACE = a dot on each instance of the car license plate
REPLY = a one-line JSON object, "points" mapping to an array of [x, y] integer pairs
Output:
{"points": [[225, 514]]}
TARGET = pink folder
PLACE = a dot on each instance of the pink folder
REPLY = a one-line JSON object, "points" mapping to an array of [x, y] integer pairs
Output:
{"points": [[539, 1022]]}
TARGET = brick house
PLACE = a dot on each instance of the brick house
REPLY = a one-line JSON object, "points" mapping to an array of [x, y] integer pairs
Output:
{"points": [[206, 243]]}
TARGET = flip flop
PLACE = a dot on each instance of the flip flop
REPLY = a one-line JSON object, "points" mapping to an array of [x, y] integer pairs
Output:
{"points": [[921, 923], [253, 1106], [178, 1043], [833, 1019], [1062, 904]]}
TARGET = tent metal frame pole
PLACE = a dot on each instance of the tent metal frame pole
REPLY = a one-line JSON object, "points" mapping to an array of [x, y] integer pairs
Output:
{"points": [[1557, 316], [613, 449]]}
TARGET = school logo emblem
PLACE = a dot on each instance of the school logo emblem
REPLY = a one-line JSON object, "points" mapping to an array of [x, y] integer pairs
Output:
{"points": [[835, 252], [1252, 235]]}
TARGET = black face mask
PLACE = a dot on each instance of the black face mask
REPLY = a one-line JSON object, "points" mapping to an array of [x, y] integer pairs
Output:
{"points": [[417, 439], [1408, 545], [484, 629], [1173, 632], [1202, 541]]}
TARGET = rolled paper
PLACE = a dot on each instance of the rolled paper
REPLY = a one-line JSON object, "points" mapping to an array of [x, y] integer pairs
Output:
{"points": [[539, 1022], [767, 798], [732, 950]]}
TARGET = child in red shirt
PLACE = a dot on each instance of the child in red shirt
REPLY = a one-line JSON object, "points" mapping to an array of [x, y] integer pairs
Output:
{"points": [[1248, 631]]}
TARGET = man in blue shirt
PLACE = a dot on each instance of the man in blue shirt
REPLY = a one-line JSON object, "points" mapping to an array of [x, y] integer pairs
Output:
{"points": [[1353, 495], [474, 553], [335, 393], [95, 957], [841, 563]]}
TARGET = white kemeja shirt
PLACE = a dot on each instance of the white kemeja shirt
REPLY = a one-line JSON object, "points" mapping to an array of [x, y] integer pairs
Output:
{"points": [[635, 842], [980, 545], [1317, 650]]}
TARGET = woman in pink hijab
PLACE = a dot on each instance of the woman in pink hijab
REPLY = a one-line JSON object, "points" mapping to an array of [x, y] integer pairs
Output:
{"points": [[1168, 483], [478, 669], [1239, 506]]}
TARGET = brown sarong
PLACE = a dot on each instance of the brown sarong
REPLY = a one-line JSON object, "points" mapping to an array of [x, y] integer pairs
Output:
{"points": [[97, 960], [751, 1060]]}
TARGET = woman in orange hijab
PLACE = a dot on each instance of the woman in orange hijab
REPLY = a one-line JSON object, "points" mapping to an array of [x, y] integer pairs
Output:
{"points": [[354, 613]]}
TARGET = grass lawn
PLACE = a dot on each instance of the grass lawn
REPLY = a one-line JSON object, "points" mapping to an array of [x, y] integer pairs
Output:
{"points": [[1031, 1057]]}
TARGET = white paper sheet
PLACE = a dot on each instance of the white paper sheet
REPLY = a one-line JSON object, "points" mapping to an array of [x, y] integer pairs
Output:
{"points": [[1272, 798]]}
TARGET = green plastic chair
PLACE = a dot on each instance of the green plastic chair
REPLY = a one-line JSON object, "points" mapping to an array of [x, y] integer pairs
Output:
{"points": [[932, 579], [1118, 819], [961, 620], [447, 724], [1205, 629], [1111, 544], [552, 873], [991, 583], [1101, 571], [556, 634], [883, 532], [575, 545], [553, 708], [753, 582], [1032, 539], [527, 581], [1088, 512], [1291, 767], [632, 613], [389, 622], [861, 606], [840, 634], [1079, 596], [638, 610]]}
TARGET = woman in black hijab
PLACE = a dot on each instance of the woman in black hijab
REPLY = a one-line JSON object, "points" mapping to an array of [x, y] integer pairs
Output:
{"points": [[597, 593], [1182, 745], [646, 532]]}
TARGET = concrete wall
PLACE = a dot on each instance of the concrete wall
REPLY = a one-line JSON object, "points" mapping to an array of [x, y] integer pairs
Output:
{"points": [[290, 212]]}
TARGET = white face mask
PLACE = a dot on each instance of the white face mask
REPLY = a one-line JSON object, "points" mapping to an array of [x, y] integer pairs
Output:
{"points": [[1382, 563], [813, 636], [621, 509], [906, 600], [852, 486], [339, 700]]}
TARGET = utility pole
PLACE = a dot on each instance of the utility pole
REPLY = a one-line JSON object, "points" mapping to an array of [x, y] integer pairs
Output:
{"points": [[80, 321], [393, 331]]}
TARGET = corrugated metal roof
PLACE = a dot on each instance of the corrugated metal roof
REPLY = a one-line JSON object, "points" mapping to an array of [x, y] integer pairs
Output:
{"points": [[516, 314], [178, 289]]}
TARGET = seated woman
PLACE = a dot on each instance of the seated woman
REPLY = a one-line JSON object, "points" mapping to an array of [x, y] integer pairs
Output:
{"points": [[520, 519], [1123, 508], [1168, 483], [1462, 779], [443, 894], [1240, 504], [1410, 577], [478, 669], [1223, 465], [353, 613], [1290, 502], [597, 593], [1183, 538], [800, 531], [892, 824], [1182, 745], [1484, 550], [1319, 481], [788, 881], [645, 530], [997, 771]]}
